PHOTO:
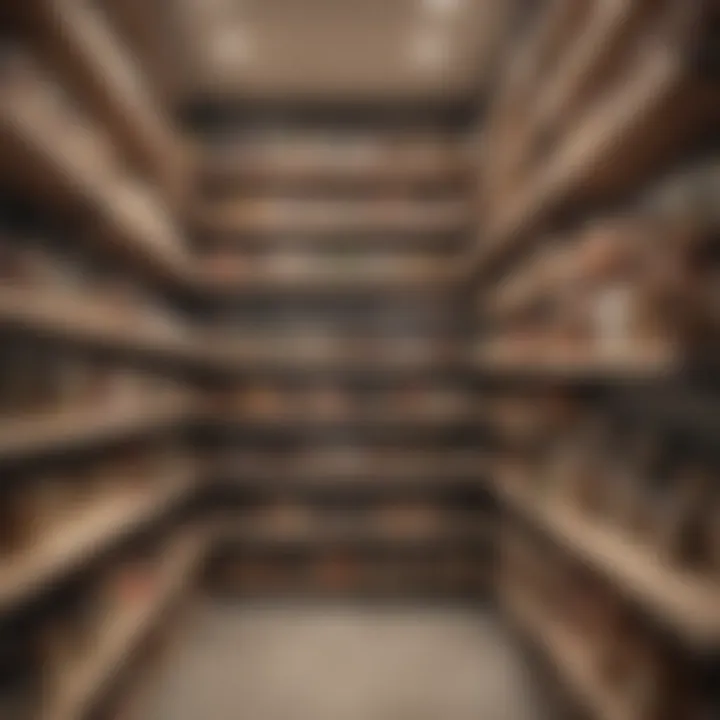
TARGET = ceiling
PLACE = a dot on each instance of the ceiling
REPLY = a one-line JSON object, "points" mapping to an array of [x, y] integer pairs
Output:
{"points": [[334, 49]]}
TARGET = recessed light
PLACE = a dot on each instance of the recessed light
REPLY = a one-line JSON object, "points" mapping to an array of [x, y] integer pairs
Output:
{"points": [[429, 50], [232, 45], [442, 7]]}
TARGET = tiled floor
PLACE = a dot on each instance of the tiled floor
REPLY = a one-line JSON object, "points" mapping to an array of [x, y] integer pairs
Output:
{"points": [[325, 662]]}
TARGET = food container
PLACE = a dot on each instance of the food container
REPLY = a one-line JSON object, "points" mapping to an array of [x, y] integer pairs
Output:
{"points": [[680, 513]]}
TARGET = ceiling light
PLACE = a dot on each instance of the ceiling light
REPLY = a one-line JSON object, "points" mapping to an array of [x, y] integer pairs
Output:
{"points": [[429, 50], [231, 45], [442, 7]]}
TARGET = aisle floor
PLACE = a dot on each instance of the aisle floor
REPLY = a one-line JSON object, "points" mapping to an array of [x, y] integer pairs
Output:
{"points": [[341, 662]]}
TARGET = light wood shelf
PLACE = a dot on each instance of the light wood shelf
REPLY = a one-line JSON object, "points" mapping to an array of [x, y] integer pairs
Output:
{"points": [[309, 419], [80, 540], [569, 658], [308, 355], [79, 42], [380, 170], [388, 471], [685, 602], [82, 319], [89, 425], [125, 633], [324, 282], [617, 138], [263, 534], [35, 162], [507, 358], [268, 217]]}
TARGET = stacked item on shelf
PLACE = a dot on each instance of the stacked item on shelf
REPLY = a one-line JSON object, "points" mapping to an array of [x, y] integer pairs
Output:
{"points": [[414, 162], [598, 351], [94, 394], [346, 372]]}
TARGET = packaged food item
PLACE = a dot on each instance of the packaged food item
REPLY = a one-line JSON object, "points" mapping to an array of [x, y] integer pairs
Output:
{"points": [[287, 519], [680, 513], [633, 467], [35, 507], [65, 641], [327, 402], [52, 502], [264, 401], [228, 265], [16, 532], [647, 684], [76, 381], [407, 521], [129, 584], [337, 572]]}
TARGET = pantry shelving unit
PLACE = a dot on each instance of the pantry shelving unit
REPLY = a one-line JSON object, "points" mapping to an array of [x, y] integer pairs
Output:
{"points": [[98, 369], [345, 252], [341, 359], [596, 351]]}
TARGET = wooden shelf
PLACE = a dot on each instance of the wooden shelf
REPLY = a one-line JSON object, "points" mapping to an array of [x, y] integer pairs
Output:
{"points": [[264, 535], [571, 661], [328, 282], [310, 420], [267, 217], [687, 603], [82, 319], [35, 162], [506, 358], [309, 356], [398, 471], [124, 634], [78, 42], [592, 49], [81, 539], [232, 167], [86, 426], [604, 138]]}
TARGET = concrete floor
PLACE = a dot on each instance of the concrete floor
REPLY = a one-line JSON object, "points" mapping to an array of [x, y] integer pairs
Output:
{"points": [[341, 662]]}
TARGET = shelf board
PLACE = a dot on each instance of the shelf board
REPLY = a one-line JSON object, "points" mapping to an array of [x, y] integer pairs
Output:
{"points": [[231, 167], [80, 540], [34, 162], [400, 471], [307, 355], [254, 535], [602, 139], [124, 634], [262, 217], [684, 602], [587, 56], [88, 425], [571, 661], [79, 43], [506, 358], [310, 419], [80, 318], [327, 283]]}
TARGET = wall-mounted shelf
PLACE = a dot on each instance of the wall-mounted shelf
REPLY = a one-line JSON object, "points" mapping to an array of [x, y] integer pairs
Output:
{"points": [[81, 539], [123, 635], [90, 425], [79, 43], [685, 602]]}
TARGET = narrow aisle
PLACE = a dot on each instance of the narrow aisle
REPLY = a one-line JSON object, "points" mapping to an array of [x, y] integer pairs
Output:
{"points": [[343, 662]]}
